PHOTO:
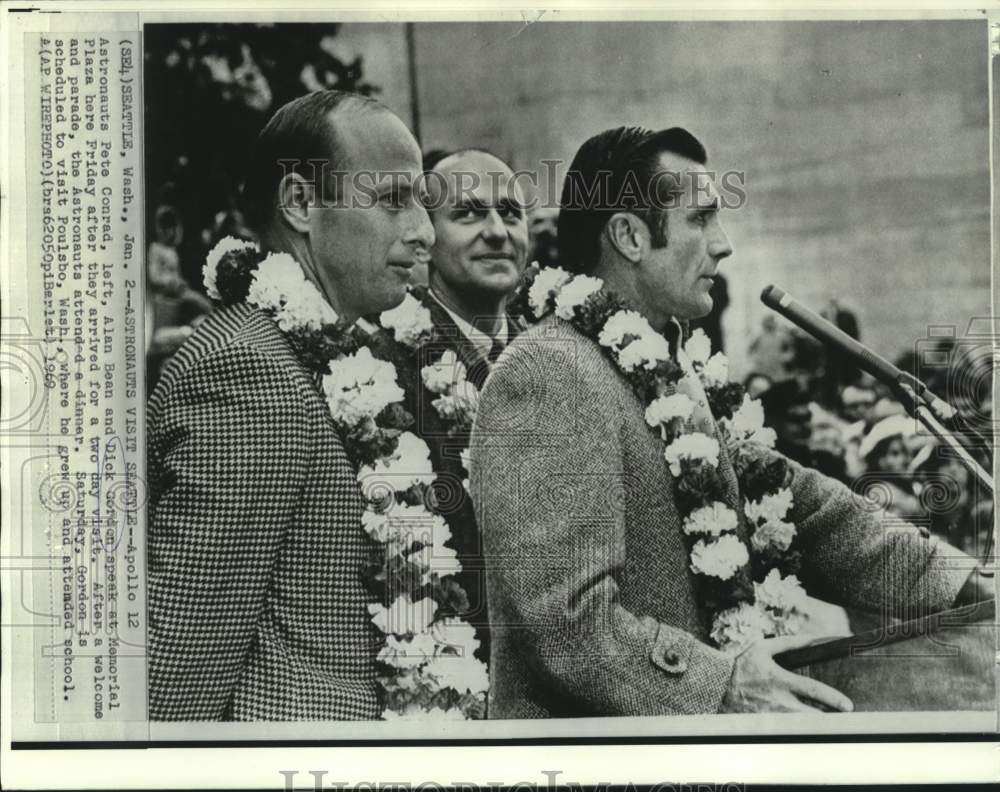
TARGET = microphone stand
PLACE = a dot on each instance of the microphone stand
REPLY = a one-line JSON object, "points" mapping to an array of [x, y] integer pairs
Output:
{"points": [[931, 411], [917, 399]]}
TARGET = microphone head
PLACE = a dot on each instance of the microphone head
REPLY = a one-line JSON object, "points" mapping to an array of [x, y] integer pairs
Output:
{"points": [[771, 296]]}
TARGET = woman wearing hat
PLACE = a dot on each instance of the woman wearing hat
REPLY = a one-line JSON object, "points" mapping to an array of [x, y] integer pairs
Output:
{"points": [[887, 462]]}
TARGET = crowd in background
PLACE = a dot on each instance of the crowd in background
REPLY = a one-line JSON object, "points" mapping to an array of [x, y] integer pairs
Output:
{"points": [[215, 87], [831, 416], [827, 414]]}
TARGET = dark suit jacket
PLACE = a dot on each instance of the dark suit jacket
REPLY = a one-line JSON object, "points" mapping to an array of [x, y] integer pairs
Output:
{"points": [[445, 449], [593, 605], [257, 607], [448, 335]]}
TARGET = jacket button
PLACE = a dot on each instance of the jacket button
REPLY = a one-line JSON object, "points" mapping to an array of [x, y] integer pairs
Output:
{"points": [[671, 662]]}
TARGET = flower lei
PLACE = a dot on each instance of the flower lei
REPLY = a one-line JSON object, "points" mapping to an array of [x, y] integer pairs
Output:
{"points": [[752, 592], [426, 667], [445, 380]]}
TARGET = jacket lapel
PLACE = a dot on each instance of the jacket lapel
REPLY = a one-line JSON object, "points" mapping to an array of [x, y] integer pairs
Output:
{"points": [[447, 333]]}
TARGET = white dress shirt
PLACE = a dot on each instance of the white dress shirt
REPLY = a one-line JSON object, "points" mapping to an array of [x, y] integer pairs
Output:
{"points": [[483, 342]]}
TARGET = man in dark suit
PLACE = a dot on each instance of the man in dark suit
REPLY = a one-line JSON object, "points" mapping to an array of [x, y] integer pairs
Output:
{"points": [[256, 550], [479, 254], [594, 607], [480, 249]]}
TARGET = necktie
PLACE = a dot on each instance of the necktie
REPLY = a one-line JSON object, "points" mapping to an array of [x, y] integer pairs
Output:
{"points": [[672, 332], [478, 373], [495, 349]]}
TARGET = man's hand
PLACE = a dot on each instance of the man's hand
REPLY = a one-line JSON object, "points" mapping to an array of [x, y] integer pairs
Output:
{"points": [[825, 620], [759, 684], [167, 340]]}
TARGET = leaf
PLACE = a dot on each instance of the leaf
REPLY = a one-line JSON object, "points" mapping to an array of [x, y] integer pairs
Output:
{"points": [[450, 597], [763, 477], [698, 486], [724, 400]]}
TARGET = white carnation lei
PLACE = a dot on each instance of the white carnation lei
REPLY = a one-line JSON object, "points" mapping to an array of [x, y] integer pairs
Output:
{"points": [[720, 552], [358, 387]]}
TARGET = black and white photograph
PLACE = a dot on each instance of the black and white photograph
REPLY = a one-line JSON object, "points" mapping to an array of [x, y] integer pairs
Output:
{"points": [[462, 403], [489, 379]]}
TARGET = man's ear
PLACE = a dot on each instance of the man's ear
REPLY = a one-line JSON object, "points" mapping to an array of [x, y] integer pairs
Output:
{"points": [[628, 235], [295, 198]]}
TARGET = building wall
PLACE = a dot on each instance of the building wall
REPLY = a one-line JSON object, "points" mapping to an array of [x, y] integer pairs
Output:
{"points": [[864, 145]]}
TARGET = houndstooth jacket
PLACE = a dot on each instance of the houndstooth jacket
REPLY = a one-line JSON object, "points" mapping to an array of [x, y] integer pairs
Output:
{"points": [[256, 603], [592, 603]]}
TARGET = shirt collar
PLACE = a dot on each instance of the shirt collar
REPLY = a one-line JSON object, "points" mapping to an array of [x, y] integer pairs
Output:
{"points": [[482, 342], [674, 333]]}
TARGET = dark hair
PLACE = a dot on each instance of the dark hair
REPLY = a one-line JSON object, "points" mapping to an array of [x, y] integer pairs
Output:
{"points": [[166, 218], [612, 172], [298, 132], [433, 157]]}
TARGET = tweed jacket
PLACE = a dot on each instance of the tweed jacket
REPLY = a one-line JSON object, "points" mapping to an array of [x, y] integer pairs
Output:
{"points": [[593, 605], [256, 602], [445, 451]]}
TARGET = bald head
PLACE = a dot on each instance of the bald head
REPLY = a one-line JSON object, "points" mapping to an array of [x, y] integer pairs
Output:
{"points": [[479, 215], [469, 172]]}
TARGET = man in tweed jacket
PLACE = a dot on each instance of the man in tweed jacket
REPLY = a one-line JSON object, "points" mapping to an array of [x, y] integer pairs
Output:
{"points": [[593, 605], [257, 606]]}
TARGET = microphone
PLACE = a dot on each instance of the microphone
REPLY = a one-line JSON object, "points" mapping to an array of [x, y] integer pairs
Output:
{"points": [[880, 368], [906, 386]]}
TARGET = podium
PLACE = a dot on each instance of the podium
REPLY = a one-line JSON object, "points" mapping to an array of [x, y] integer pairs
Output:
{"points": [[945, 661]]}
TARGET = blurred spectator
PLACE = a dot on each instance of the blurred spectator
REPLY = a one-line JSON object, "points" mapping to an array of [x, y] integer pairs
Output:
{"points": [[967, 384], [840, 367], [884, 449], [163, 262], [782, 352], [786, 410], [712, 322], [228, 222], [833, 417], [887, 459], [958, 513], [961, 372], [827, 443], [808, 365], [173, 308], [856, 403], [757, 384], [885, 407], [542, 229], [854, 465], [788, 370], [215, 85], [772, 350]]}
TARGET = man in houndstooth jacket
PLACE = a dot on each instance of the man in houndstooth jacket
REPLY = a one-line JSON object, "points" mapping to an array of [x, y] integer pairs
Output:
{"points": [[257, 606], [593, 606]]}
